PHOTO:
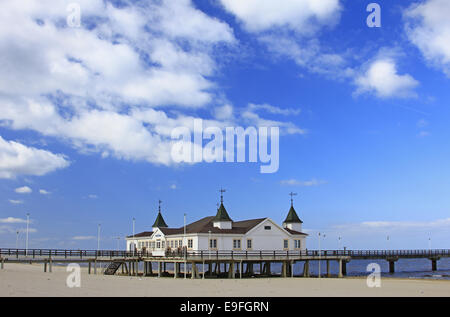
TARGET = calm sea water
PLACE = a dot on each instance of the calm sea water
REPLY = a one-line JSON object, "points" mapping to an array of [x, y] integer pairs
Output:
{"points": [[404, 268]]}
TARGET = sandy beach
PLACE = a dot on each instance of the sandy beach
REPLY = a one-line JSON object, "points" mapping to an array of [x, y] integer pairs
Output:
{"points": [[30, 280]]}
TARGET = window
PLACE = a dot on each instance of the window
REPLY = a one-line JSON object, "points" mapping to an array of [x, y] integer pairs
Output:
{"points": [[176, 243], [286, 244], [190, 243], [213, 243], [180, 243], [236, 244], [249, 244], [163, 244], [297, 244], [267, 228], [158, 244]]}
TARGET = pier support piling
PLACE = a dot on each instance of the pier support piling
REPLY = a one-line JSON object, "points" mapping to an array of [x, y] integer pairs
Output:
{"points": [[306, 269], [328, 269], [340, 274], [434, 264]]}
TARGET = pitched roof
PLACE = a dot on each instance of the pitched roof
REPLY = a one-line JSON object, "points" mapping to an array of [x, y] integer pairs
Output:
{"points": [[159, 222], [206, 224], [292, 216], [222, 214], [295, 232], [141, 234]]}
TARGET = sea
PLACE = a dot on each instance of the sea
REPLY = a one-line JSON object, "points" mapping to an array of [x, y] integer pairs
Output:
{"points": [[404, 268]]}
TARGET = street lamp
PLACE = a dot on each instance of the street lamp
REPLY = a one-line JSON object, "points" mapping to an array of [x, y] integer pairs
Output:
{"points": [[429, 243], [339, 242], [320, 252], [26, 243], [133, 244], [118, 241], [17, 239], [98, 237]]}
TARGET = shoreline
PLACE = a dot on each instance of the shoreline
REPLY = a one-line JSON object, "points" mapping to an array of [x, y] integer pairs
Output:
{"points": [[29, 280]]}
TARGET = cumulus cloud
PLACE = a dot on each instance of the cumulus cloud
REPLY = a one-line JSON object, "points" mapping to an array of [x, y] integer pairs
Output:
{"points": [[18, 159], [382, 79], [44, 192], [23, 190], [428, 27], [299, 15]]}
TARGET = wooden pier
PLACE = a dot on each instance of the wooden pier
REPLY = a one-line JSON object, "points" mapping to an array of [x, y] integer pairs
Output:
{"points": [[204, 264]]}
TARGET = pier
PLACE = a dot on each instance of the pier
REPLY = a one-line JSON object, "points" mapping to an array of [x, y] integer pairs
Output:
{"points": [[204, 264]]}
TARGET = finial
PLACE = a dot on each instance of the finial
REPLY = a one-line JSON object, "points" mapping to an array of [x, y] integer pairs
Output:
{"points": [[159, 205], [221, 195], [292, 198]]}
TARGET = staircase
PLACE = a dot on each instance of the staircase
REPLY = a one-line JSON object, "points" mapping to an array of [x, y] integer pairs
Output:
{"points": [[113, 267]]}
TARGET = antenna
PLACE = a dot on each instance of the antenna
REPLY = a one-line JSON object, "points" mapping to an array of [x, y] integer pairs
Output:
{"points": [[292, 197], [159, 205]]}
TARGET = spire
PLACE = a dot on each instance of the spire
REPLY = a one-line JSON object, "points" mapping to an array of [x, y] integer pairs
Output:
{"points": [[222, 214], [292, 216], [159, 222]]}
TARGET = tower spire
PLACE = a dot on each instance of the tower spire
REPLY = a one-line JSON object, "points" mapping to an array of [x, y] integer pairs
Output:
{"points": [[159, 205]]}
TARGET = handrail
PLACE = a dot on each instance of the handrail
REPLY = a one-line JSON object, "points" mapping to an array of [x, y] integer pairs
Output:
{"points": [[229, 253]]}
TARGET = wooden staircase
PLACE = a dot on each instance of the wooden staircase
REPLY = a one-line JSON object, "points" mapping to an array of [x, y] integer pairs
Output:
{"points": [[113, 267]]}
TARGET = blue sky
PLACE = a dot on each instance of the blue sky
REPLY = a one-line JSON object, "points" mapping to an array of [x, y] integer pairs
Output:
{"points": [[86, 115]]}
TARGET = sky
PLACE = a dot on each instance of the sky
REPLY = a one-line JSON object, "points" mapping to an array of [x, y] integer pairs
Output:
{"points": [[87, 112]]}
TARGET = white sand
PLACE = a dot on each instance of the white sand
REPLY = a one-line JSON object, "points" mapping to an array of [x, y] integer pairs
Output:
{"points": [[30, 280]]}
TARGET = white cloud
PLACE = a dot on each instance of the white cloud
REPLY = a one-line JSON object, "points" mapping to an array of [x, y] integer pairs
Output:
{"points": [[382, 79], [12, 220], [84, 238], [395, 225], [44, 192], [173, 186], [18, 159], [299, 15], [274, 110], [92, 196], [24, 190], [16, 202], [309, 183], [428, 27]]}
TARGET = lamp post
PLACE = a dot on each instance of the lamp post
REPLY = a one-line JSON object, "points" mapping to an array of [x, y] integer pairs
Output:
{"points": [[387, 242], [98, 237], [118, 241], [26, 242], [339, 242], [429, 243], [320, 253], [184, 245], [133, 244], [17, 239]]}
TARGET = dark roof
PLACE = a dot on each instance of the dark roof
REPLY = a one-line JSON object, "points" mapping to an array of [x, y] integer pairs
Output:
{"points": [[222, 214], [141, 234], [292, 216], [159, 222], [206, 224], [295, 232]]}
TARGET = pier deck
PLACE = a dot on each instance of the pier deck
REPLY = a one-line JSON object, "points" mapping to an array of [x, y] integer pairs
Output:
{"points": [[233, 262]]}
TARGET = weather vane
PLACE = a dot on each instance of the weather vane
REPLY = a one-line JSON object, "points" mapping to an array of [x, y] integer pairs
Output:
{"points": [[159, 205], [292, 197], [221, 195]]}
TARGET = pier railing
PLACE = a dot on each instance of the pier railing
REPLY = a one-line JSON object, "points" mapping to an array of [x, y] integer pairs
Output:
{"points": [[212, 254]]}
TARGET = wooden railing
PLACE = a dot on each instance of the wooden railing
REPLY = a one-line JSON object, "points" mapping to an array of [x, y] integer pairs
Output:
{"points": [[210, 254]]}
